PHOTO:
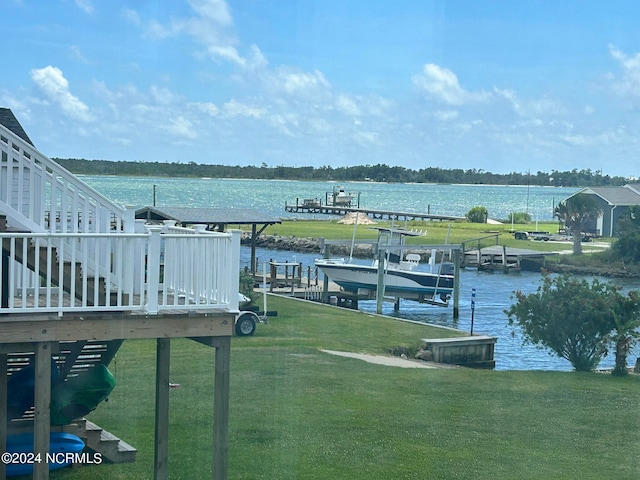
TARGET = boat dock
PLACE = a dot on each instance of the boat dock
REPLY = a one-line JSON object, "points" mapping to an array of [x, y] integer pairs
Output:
{"points": [[501, 258], [319, 208]]}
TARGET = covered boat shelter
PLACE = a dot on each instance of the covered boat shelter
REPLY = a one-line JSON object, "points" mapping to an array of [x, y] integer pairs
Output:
{"points": [[216, 219]]}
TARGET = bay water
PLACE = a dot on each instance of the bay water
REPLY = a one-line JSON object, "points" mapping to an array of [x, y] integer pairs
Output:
{"points": [[494, 291]]}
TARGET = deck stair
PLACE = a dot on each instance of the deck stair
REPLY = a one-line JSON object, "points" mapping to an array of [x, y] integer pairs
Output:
{"points": [[72, 358], [99, 440], [72, 274]]}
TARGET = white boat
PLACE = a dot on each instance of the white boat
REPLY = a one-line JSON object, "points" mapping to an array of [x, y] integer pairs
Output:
{"points": [[403, 276], [339, 198]]}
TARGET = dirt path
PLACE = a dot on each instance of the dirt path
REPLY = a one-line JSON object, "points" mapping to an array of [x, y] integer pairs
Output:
{"points": [[388, 361]]}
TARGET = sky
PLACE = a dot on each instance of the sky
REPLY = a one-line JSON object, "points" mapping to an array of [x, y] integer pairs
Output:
{"points": [[496, 85]]}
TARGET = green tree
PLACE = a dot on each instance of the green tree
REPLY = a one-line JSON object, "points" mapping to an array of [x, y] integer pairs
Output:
{"points": [[624, 337], [519, 217], [477, 215], [576, 212], [627, 245], [571, 317]]}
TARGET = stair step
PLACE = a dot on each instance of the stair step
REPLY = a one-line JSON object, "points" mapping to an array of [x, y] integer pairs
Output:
{"points": [[108, 445], [55, 274]]}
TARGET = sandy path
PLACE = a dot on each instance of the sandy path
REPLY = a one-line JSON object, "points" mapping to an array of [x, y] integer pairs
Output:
{"points": [[384, 360]]}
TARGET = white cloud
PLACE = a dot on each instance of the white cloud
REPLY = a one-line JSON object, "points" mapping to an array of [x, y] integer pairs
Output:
{"points": [[530, 108], [367, 138], [55, 88], [295, 82], [210, 26], [348, 106], [180, 127], [77, 53], [285, 123], [628, 84], [215, 10], [131, 16], [446, 115], [163, 96], [441, 84], [85, 5], [234, 108], [209, 108]]}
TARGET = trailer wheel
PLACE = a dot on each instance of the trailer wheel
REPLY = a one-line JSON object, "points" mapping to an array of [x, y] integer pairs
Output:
{"points": [[245, 325]]}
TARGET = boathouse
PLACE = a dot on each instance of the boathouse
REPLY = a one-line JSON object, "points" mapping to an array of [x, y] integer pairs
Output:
{"points": [[80, 275], [215, 219]]}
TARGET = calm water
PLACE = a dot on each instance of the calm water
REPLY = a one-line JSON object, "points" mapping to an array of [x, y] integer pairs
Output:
{"points": [[493, 291]]}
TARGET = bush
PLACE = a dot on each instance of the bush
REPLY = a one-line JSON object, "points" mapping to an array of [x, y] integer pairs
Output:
{"points": [[519, 217], [246, 285], [627, 248], [572, 318], [478, 215]]}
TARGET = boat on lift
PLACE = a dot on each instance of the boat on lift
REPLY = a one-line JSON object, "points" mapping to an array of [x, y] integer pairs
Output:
{"points": [[338, 197], [403, 274]]}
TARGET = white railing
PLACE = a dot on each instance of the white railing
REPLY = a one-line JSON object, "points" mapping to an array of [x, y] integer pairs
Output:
{"points": [[150, 272], [38, 195]]}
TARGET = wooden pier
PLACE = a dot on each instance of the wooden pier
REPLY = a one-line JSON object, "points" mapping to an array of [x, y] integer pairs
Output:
{"points": [[371, 213], [501, 258]]}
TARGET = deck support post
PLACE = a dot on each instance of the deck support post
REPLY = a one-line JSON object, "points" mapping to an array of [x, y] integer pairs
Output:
{"points": [[42, 414], [221, 408], [161, 450], [3, 411]]}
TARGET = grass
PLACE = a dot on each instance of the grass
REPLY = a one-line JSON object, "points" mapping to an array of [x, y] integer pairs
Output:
{"points": [[299, 413], [436, 232]]}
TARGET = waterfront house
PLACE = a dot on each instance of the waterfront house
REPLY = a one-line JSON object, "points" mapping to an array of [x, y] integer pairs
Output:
{"points": [[80, 275], [614, 202]]}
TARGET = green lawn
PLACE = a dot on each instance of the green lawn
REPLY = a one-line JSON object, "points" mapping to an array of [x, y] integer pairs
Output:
{"points": [[299, 413], [436, 232]]}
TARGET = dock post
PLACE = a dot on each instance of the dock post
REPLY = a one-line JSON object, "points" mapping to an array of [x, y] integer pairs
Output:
{"points": [[505, 265], [456, 283], [325, 281], [273, 274], [380, 287]]}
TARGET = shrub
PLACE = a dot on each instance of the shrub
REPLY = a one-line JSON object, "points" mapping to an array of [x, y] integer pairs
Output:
{"points": [[572, 318], [477, 215], [519, 217]]}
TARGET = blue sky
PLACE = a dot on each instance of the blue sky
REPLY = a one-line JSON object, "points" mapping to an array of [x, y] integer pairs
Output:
{"points": [[496, 85]]}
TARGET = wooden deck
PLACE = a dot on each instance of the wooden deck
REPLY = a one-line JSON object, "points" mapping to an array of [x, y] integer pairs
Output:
{"points": [[501, 258], [45, 337]]}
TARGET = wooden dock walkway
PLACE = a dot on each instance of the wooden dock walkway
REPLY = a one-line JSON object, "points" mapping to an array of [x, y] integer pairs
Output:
{"points": [[501, 258], [372, 213]]}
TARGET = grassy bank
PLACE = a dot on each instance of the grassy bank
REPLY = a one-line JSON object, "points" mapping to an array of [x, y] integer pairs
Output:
{"points": [[299, 413], [436, 233]]}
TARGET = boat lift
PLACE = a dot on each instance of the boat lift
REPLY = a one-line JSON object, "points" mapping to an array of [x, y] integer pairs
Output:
{"points": [[454, 253], [384, 250]]}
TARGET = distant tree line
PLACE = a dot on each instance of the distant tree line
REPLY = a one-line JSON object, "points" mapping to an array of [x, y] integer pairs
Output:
{"points": [[375, 173]]}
